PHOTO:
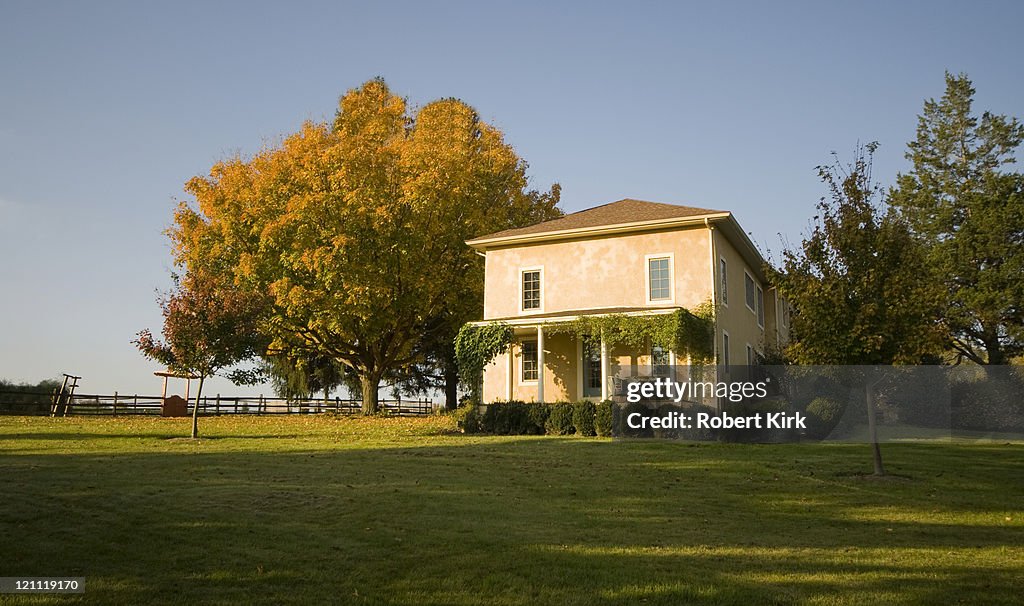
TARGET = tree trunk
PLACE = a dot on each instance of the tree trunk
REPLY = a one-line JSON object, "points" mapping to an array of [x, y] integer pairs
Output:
{"points": [[876, 450], [451, 386], [370, 384], [994, 352], [195, 409]]}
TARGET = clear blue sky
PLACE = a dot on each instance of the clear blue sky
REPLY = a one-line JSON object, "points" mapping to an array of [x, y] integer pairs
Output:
{"points": [[107, 108]]}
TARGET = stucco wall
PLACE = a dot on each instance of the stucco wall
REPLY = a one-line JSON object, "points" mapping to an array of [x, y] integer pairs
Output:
{"points": [[601, 272]]}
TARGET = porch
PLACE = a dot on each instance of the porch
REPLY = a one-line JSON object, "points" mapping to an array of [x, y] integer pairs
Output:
{"points": [[548, 362]]}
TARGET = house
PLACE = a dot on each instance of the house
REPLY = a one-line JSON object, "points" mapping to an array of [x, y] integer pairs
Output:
{"points": [[628, 258]]}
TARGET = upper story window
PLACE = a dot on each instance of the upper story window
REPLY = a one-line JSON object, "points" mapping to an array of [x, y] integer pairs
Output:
{"points": [[659, 278], [725, 282], [531, 289], [760, 307], [748, 291]]}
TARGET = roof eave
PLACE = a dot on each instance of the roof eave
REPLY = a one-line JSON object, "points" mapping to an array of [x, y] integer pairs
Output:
{"points": [[599, 230]]}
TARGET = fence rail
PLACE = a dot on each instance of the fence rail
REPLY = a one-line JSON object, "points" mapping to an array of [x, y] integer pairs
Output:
{"points": [[38, 403]]}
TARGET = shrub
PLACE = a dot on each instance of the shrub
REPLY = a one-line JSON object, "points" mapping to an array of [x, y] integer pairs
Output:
{"points": [[622, 421], [514, 418], [823, 415], [583, 413], [559, 421], [604, 418], [538, 416], [467, 417]]}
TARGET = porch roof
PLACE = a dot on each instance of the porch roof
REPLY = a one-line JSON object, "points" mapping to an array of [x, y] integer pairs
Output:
{"points": [[572, 314]]}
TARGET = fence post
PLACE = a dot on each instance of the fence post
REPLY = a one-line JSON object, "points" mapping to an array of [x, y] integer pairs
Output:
{"points": [[216, 410], [115, 403], [135, 404], [263, 406]]}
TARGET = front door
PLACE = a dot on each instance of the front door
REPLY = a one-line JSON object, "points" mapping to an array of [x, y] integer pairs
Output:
{"points": [[591, 369]]}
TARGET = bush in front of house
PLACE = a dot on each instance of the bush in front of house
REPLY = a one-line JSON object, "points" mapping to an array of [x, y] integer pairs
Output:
{"points": [[467, 417], [559, 422], [823, 414], [604, 418], [583, 413]]}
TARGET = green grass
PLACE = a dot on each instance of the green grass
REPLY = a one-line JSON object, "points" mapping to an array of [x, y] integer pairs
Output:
{"points": [[405, 511]]}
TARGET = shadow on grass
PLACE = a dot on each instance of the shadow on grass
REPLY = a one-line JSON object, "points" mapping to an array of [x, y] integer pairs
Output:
{"points": [[520, 521]]}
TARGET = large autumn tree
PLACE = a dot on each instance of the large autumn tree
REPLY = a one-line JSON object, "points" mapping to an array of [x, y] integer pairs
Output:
{"points": [[968, 210], [355, 229]]}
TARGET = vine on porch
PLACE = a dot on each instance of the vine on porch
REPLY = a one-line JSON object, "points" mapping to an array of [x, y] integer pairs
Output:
{"points": [[688, 333]]}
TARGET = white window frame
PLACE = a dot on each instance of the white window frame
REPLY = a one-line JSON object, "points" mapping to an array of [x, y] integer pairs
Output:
{"points": [[524, 270], [751, 355], [522, 362], [723, 281], [759, 310], [668, 365], [671, 278], [746, 274], [726, 345]]}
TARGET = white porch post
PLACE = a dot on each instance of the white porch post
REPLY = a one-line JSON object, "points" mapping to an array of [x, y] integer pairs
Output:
{"points": [[604, 368], [540, 363], [510, 369]]}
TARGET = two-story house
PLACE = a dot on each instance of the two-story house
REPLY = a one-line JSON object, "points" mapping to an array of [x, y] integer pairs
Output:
{"points": [[628, 257]]}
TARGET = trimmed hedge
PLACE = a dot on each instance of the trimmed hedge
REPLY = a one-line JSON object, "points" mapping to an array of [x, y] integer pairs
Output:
{"points": [[520, 418], [604, 418], [583, 413], [559, 421]]}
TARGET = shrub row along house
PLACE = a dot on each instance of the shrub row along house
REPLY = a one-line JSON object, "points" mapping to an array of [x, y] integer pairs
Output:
{"points": [[628, 260]]}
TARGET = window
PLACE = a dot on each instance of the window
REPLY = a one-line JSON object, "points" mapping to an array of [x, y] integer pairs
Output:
{"points": [[529, 364], [531, 290], [661, 362], [659, 278], [760, 307], [591, 367], [748, 290], [725, 283], [751, 356], [725, 350]]}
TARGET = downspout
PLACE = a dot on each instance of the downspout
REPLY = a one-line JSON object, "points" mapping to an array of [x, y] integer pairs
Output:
{"points": [[714, 297]]}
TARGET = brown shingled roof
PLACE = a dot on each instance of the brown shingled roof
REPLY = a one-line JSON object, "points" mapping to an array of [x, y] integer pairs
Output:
{"points": [[613, 213]]}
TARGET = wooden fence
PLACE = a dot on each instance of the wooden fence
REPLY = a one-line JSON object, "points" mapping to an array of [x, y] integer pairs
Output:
{"points": [[28, 403]]}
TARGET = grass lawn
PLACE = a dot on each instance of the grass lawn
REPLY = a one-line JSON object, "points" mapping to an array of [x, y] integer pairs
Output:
{"points": [[405, 511]]}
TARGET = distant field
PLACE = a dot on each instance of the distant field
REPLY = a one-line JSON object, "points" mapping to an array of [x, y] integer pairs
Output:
{"points": [[405, 511]]}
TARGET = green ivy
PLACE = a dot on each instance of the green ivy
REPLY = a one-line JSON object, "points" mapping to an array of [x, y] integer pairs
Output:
{"points": [[685, 332], [688, 333], [476, 346]]}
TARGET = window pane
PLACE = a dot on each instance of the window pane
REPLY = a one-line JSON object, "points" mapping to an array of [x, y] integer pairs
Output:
{"points": [[660, 279], [725, 350], [529, 360], [531, 290], [760, 307], [748, 287], [660, 361], [725, 283]]}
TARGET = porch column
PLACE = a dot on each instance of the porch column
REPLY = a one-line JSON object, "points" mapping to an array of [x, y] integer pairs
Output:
{"points": [[540, 363], [604, 368], [510, 369]]}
